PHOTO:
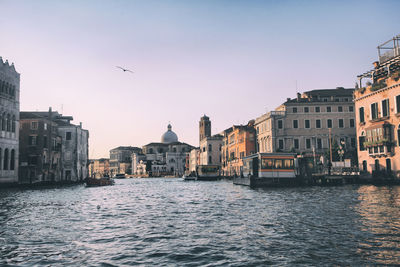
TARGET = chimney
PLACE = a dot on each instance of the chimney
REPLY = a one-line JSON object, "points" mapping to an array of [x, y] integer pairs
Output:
{"points": [[80, 125], [298, 96], [288, 99], [376, 64], [50, 112]]}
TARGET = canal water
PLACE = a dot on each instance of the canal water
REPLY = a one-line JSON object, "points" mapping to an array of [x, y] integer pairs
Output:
{"points": [[169, 222]]}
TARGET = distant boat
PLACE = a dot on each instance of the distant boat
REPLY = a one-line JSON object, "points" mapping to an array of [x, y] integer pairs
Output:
{"points": [[120, 176], [189, 178], [99, 181], [208, 172]]}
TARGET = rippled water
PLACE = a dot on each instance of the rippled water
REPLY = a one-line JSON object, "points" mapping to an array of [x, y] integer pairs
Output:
{"points": [[176, 223]]}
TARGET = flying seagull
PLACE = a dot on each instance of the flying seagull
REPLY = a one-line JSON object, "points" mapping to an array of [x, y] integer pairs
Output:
{"points": [[124, 69]]}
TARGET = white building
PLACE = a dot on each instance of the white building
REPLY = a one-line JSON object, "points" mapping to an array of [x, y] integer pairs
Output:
{"points": [[210, 150], [75, 142], [9, 122]]}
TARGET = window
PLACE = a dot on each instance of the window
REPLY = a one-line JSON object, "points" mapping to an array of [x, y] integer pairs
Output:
{"points": [[12, 160], [361, 113], [5, 167], [308, 143], [68, 135], [341, 123], [32, 140], [340, 109], [317, 109], [280, 144], [34, 125], [351, 109], [364, 164], [351, 123], [329, 123], [353, 142], [398, 104], [296, 143], [280, 124], [306, 110], [374, 111], [307, 124], [45, 141], [319, 143], [294, 110], [317, 123], [209, 160], [361, 141], [295, 124], [210, 147], [328, 109], [45, 126], [385, 108]]}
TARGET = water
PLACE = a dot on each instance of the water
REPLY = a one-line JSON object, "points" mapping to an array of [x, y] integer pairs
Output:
{"points": [[169, 222]]}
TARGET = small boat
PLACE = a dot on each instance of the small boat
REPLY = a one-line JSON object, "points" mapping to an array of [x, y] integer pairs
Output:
{"points": [[189, 178], [99, 181], [120, 176]]}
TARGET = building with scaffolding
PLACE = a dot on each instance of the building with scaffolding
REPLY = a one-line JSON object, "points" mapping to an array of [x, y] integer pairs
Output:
{"points": [[377, 104]]}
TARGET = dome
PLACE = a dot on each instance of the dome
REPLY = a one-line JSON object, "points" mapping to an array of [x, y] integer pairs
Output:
{"points": [[169, 136]]}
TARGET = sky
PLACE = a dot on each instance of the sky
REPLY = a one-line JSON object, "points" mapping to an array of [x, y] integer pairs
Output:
{"points": [[231, 60]]}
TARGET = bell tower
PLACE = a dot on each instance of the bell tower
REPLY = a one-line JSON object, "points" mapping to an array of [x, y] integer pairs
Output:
{"points": [[204, 127]]}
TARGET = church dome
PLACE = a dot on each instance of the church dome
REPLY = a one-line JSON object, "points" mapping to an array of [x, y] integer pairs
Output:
{"points": [[169, 136]]}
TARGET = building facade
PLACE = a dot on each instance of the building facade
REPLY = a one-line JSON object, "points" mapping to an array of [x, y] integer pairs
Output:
{"points": [[310, 124], [39, 149], [99, 167], [121, 159], [238, 142], [167, 157], [9, 122], [377, 105], [210, 150]]}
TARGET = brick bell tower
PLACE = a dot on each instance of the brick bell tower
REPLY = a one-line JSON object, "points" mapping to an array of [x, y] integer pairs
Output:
{"points": [[204, 127]]}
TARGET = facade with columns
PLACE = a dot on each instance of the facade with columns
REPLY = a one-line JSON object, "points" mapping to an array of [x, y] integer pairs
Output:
{"points": [[9, 120]]}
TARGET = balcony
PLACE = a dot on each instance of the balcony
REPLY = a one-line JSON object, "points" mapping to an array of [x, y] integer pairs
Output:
{"points": [[389, 49]]}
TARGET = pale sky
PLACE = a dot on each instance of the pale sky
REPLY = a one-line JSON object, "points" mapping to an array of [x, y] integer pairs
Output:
{"points": [[231, 60]]}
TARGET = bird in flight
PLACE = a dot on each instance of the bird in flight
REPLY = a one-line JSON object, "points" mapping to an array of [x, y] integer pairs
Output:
{"points": [[123, 69]]}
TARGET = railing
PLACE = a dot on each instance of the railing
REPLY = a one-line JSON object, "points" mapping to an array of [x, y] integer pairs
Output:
{"points": [[394, 49]]}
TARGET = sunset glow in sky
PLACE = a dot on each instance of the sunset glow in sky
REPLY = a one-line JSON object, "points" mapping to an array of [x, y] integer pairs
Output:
{"points": [[230, 60]]}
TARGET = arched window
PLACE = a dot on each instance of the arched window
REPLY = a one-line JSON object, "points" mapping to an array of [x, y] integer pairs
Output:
{"points": [[398, 135], [3, 122], [5, 165], [8, 123], [364, 165], [12, 160], [210, 147], [209, 159], [174, 149], [13, 124]]}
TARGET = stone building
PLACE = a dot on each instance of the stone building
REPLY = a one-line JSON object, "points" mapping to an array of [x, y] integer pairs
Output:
{"points": [[9, 122], [210, 146], [193, 160], [121, 159], [39, 148], [99, 167], [169, 152], [210, 150], [75, 149], [304, 125], [377, 105], [72, 140], [238, 142]]}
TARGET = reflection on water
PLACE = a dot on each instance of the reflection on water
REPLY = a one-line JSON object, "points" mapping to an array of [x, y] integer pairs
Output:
{"points": [[379, 208], [172, 222]]}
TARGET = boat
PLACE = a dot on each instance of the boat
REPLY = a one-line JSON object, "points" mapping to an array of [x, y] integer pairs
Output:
{"points": [[208, 173], [189, 178], [120, 176], [268, 169], [99, 181]]}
